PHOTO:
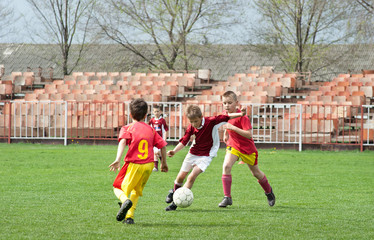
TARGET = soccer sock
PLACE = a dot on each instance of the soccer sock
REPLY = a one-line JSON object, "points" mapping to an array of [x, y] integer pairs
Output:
{"points": [[134, 197], [226, 183], [176, 186], [265, 184], [156, 164], [120, 194]]}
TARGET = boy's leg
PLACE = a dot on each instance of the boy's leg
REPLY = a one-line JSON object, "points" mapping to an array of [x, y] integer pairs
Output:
{"points": [[177, 184], [185, 169], [263, 181], [229, 161], [190, 180], [155, 158], [136, 175], [134, 197], [192, 177]]}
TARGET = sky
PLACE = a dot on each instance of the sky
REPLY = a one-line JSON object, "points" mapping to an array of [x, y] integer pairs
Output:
{"points": [[25, 14]]}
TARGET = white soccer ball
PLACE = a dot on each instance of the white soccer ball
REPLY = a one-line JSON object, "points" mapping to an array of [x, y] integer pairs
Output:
{"points": [[183, 197]]}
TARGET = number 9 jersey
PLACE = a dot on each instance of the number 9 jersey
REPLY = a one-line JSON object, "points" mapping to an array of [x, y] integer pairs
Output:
{"points": [[141, 138]]}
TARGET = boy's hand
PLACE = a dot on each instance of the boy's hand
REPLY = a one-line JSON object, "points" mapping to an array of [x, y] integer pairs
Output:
{"points": [[170, 153], [116, 165], [243, 110], [225, 138], [229, 126], [164, 167]]}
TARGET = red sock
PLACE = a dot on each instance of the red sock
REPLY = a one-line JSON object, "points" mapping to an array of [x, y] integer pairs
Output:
{"points": [[265, 184], [226, 183], [156, 164], [176, 186]]}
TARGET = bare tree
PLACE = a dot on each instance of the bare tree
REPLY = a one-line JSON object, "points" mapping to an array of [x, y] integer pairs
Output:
{"points": [[65, 22], [7, 19], [302, 32], [363, 19], [159, 31]]}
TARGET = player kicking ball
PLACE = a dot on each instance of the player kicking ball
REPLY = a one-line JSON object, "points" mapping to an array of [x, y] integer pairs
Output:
{"points": [[238, 138], [203, 149]]}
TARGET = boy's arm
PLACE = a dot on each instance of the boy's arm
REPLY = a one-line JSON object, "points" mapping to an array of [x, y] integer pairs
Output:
{"points": [[225, 136], [116, 165], [164, 165], [241, 132], [241, 114], [177, 148]]}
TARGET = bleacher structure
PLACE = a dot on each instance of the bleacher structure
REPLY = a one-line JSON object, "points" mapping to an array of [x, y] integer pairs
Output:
{"points": [[330, 111]]}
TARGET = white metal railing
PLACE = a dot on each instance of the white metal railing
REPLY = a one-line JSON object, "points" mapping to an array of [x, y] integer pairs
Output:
{"points": [[276, 123], [39, 120], [368, 126]]}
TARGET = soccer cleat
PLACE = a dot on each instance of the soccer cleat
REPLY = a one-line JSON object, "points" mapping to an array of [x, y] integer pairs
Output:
{"points": [[169, 197], [225, 202], [126, 205], [155, 170], [271, 198], [171, 207], [129, 221]]}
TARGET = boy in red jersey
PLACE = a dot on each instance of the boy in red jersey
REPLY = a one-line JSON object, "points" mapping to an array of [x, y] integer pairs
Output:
{"points": [[131, 179], [238, 138], [203, 149], [159, 124]]}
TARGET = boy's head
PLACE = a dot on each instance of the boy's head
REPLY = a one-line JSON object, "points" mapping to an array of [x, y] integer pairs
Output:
{"points": [[138, 109], [157, 111], [230, 101], [194, 115]]}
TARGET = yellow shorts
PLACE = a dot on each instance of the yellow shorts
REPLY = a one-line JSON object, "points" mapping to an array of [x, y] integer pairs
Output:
{"points": [[136, 177], [249, 159]]}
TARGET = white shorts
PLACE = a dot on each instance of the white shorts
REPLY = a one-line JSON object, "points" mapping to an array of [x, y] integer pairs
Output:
{"points": [[191, 160]]}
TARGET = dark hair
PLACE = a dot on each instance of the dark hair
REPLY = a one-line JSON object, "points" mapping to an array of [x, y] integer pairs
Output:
{"points": [[193, 111], [138, 109], [157, 107], [230, 94]]}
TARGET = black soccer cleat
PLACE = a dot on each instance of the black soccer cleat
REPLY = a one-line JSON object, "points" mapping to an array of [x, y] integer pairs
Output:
{"points": [[169, 197], [171, 207], [129, 221], [226, 201], [126, 205], [271, 198]]}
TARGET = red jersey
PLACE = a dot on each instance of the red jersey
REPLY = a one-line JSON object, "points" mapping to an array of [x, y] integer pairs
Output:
{"points": [[240, 143], [159, 125], [141, 139], [206, 141]]}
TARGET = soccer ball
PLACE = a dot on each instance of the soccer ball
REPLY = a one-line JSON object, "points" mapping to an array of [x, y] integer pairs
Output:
{"points": [[183, 197]]}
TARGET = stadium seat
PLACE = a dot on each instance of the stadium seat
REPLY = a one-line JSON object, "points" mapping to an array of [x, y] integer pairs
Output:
{"points": [[368, 90], [340, 99], [352, 89], [358, 84], [288, 82]]}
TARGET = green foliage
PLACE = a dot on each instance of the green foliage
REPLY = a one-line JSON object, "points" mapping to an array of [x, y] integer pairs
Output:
{"points": [[57, 192]]}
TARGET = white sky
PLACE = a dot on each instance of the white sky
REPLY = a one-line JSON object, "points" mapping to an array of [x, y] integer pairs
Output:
{"points": [[21, 35]]}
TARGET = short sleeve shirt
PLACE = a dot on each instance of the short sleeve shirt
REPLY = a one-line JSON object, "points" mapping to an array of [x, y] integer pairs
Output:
{"points": [[141, 139], [240, 143], [207, 140]]}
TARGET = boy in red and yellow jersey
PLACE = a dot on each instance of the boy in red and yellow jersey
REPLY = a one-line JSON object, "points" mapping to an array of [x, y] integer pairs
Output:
{"points": [[131, 179], [238, 138]]}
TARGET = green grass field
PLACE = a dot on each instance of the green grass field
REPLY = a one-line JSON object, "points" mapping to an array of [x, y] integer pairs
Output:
{"points": [[58, 192]]}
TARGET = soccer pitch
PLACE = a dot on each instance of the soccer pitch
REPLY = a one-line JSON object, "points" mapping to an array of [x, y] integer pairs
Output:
{"points": [[58, 192]]}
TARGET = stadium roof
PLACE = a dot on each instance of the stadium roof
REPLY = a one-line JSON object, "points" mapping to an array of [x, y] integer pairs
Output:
{"points": [[223, 60]]}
